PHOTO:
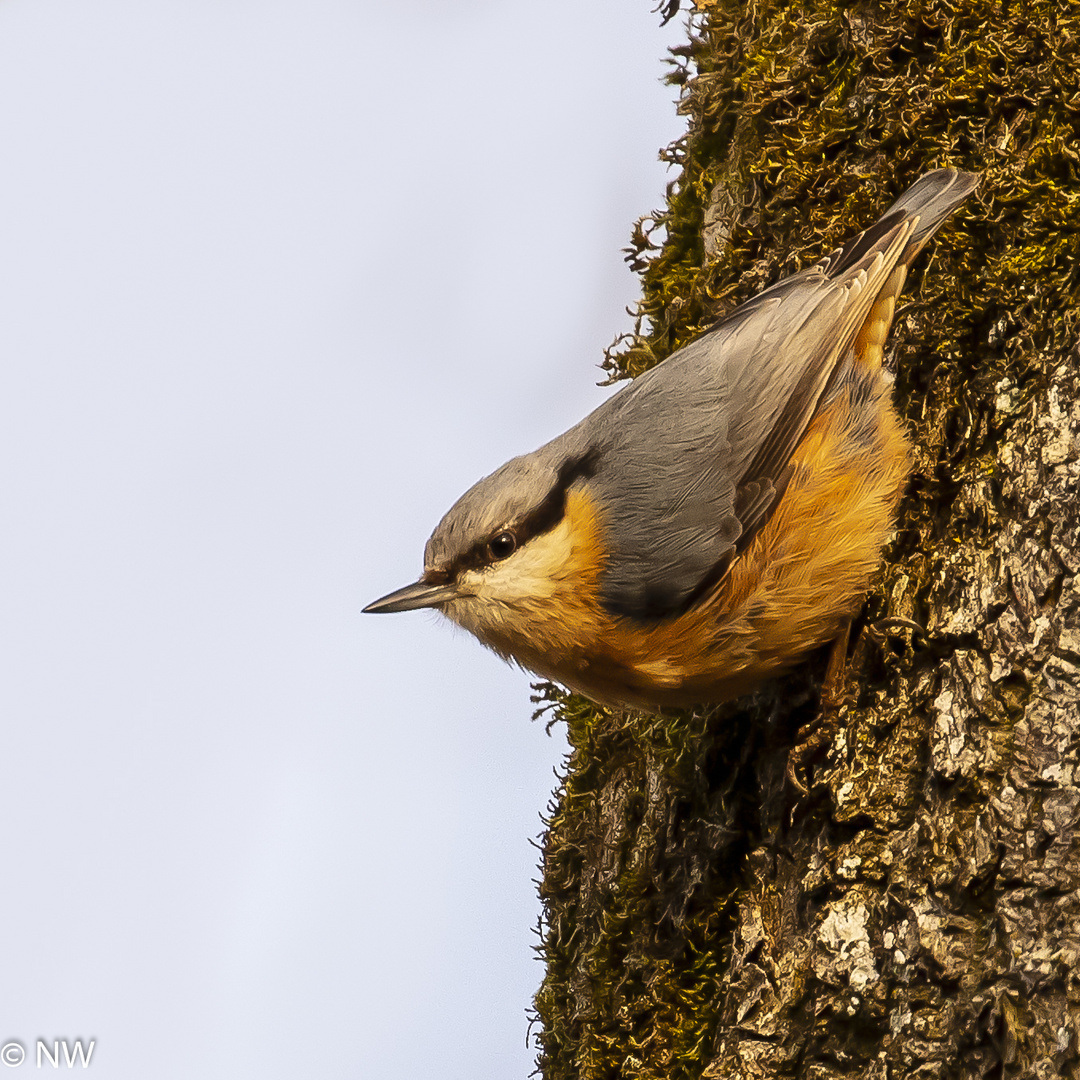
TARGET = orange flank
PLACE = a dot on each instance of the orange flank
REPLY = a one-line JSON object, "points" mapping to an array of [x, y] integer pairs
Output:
{"points": [[793, 589]]}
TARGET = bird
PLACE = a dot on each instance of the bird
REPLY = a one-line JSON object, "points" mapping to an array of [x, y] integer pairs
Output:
{"points": [[720, 517]]}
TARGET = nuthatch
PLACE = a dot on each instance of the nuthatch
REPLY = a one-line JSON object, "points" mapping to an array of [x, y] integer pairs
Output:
{"points": [[719, 517]]}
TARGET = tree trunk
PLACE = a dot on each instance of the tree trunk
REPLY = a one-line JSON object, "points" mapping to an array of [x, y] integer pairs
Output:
{"points": [[916, 913]]}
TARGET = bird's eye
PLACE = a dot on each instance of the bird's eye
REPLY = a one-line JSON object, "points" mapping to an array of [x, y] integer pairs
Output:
{"points": [[502, 545]]}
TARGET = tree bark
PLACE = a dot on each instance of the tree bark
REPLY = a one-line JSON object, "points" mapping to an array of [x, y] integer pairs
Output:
{"points": [[916, 913]]}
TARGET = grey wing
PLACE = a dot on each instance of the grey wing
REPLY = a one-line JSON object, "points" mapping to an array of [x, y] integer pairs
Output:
{"points": [[696, 453]]}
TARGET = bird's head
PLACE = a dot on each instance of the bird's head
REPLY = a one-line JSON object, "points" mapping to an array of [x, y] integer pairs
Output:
{"points": [[509, 548]]}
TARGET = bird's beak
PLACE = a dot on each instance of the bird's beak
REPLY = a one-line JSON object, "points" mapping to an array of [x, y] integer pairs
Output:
{"points": [[418, 595]]}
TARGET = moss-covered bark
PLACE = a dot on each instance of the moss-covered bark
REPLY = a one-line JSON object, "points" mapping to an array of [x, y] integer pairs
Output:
{"points": [[917, 913]]}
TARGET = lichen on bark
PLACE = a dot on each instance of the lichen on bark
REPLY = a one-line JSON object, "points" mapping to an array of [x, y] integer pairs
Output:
{"points": [[917, 912]]}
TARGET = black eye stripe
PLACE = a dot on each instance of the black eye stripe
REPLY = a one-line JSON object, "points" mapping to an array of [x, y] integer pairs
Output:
{"points": [[552, 510], [540, 519]]}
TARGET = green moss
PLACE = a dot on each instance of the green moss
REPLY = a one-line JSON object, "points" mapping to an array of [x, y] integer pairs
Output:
{"points": [[803, 121]]}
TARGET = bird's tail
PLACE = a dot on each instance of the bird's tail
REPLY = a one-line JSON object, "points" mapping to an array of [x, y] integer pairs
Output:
{"points": [[932, 198], [919, 212]]}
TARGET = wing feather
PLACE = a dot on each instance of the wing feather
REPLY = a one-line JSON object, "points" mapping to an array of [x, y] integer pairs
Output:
{"points": [[696, 452]]}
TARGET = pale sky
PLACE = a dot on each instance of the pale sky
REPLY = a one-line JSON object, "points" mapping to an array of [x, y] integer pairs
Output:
{"points": [[278, 281]]}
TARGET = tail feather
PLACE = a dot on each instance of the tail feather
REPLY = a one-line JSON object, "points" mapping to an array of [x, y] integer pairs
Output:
{"points": [[932, 198], [926, 204]]}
